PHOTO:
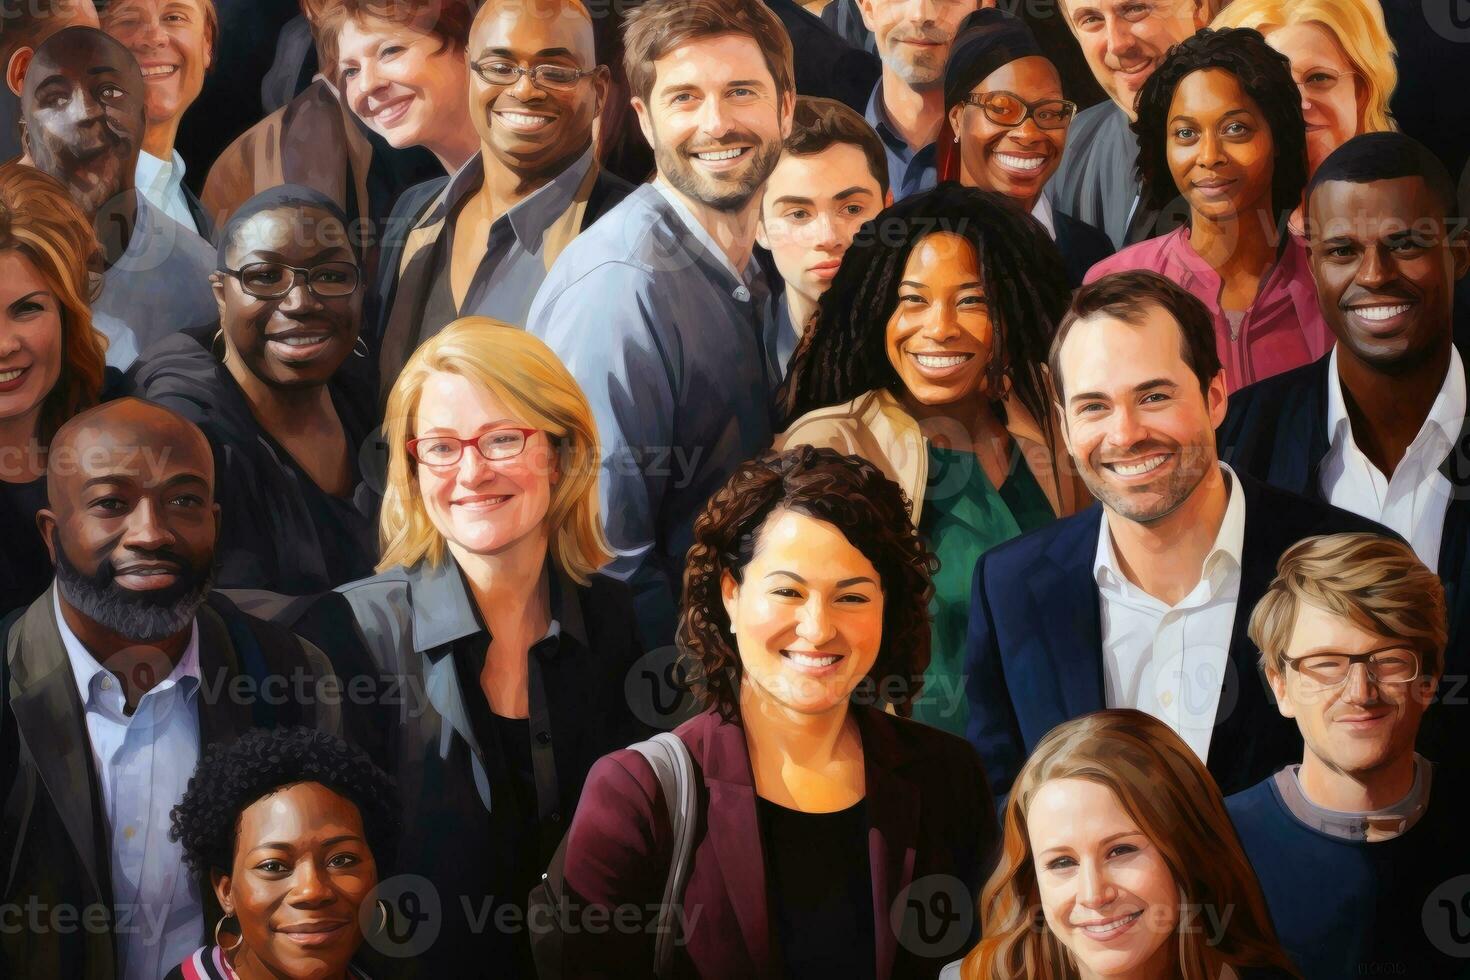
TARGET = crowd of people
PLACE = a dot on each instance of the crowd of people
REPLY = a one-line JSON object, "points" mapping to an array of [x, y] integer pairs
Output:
{"points": [[731, 489]]}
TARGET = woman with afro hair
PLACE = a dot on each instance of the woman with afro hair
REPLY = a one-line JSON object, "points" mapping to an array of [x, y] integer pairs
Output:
{"points": [[291, 826]]}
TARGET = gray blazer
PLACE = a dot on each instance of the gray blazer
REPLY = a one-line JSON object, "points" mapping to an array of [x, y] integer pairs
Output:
{"points": [[1095, 182]]}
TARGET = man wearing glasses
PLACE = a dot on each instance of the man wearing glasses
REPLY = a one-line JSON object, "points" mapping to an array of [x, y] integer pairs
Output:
{"points": [[1360, 848], [480, 242]]}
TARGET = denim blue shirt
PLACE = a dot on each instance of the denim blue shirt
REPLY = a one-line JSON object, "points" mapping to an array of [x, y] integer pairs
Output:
{"points": [[669, 346], [909, 171]]}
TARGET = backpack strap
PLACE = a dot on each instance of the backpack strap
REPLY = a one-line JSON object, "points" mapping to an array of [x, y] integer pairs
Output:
{"points": [[669, 758]]}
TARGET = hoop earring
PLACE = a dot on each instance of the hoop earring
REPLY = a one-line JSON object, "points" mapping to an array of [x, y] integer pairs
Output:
{"points": [[360, 348], [382, 916], [238, 942]]}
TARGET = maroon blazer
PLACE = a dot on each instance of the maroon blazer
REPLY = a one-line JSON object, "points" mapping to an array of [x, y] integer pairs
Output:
{"points": [[932, 825]]}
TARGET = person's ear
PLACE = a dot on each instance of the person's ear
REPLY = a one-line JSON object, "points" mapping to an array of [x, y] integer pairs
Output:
{"points": [[217, 286], [1202, 13], [1278, 688], [788, 113], [645, 121], [955, 115], [761, 238], [730, 594], [221, 882], [15, 70], [1460, 247], [865, 8], [1217, 399], [46, 524], [601, 86]]}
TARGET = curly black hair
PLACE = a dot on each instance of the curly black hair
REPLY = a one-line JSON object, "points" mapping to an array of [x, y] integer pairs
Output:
{"points": [[1264, 74], [843, 353], [847, 492], [230, 777]]}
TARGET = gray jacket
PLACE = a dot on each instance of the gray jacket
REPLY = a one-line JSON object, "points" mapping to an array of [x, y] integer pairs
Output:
{"points": [[1096, 182]]}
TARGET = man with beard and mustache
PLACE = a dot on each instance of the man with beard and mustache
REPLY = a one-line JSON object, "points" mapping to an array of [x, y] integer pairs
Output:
{"points": [[83, 115], [116, 681], [1378, 425], [1140, 601], [907, 107], [480, 243], [659, 309]]}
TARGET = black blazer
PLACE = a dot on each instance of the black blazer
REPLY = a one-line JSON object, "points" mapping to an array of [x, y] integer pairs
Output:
{"points": [[1033, 655], [398, 636], [53, 832], [1276, 430], [1082, 246]]}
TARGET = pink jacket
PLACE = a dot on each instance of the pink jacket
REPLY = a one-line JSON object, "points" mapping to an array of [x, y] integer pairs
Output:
{"points": [[1282, 330]]}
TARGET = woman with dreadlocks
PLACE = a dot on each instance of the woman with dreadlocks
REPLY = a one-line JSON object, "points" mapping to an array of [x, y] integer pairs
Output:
{"points": [[926, 358]]}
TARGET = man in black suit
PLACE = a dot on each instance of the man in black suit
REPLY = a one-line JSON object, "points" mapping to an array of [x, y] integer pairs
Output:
{"points": [[1141, 601], [114, 683], [1378, 425]]}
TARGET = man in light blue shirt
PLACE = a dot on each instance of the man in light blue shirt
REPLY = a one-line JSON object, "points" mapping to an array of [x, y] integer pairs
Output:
{"points": [[658, 309]]}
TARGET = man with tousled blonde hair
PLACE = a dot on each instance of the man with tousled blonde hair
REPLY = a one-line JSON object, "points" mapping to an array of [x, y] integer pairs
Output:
{"points": [[1352, 845]]}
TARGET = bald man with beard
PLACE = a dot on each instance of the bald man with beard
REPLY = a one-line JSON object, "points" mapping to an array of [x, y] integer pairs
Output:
{"points": [[115, 682], [83, 116]]}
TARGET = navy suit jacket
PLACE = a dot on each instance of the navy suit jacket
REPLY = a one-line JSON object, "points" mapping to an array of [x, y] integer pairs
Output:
{"points": [[1276, 430], [1033, 656]]}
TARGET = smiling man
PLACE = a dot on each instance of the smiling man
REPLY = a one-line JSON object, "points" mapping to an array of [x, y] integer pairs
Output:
{"points": [[480, 243], [659, 310], [83, 122], [1377, 426], [1139, 601], [1353, 844], [119, 676]]}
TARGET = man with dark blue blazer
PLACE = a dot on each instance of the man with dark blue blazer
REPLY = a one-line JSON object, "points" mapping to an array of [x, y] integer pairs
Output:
{"points": [[1140, 601], [1378, 425]]}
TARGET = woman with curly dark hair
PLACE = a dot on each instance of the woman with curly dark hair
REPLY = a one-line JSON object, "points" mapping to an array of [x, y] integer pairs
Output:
{"points": [[1220, 128], [803, 617], [292, 825], [927, 359]]}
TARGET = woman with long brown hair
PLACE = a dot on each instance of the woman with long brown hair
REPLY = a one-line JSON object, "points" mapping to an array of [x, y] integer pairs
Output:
{"points": [[52, 361], [1120, 860]]}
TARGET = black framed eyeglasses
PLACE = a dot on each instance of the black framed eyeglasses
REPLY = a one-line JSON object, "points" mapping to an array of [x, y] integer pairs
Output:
{"points": [[272, 280], [1386, 665], [1010, 110], [493, 446], [501, 72]]}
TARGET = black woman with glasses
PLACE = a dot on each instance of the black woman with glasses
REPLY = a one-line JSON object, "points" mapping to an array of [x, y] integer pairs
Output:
{"points": [[479, 242], [1360, 848], [490, 620], [281, 387], [1006, 128]]}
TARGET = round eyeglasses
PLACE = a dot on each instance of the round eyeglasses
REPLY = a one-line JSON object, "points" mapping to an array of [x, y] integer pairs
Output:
{"points": [[1320, 81], [493, 446], [542, 76], [1390, 665], [1010, 110], [272, 280]]}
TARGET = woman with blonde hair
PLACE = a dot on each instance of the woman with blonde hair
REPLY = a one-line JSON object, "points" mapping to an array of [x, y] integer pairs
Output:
{"points": [[1342, 61], [1119, 860], [52, 361], [499, 650]]}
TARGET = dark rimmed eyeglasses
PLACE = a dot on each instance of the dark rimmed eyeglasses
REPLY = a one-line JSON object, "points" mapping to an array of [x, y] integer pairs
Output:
{"points": [[272, 280], [500, 72], [493, 446], [1010, 110], [1387, 665]]}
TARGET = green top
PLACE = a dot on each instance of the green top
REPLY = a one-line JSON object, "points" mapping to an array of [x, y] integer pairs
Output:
{"points": [[964, 517]]}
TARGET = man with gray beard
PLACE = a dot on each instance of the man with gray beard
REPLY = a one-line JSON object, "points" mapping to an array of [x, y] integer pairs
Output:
{"points": [[115, 682], [658, 309], [907, 106]]}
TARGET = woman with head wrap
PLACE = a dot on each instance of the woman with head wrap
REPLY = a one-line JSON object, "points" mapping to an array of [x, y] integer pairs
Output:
{"points": [[276, 387], [1006, 128]]}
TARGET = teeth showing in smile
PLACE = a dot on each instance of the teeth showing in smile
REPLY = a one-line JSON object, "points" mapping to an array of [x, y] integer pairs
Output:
{"points": [[939, 361], [1378, 313], [714, 156], [301, 341], [159, 71], [1021, 163], [1109, 927], [8, 376], [1138, 469], [485, 502], [807, 660], [521, 119]]}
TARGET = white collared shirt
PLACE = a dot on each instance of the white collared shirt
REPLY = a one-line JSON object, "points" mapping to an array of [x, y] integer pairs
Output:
{"points": [[1171, 661], [1414, 500], [707, 240], [162, 183], [143, 763], [1043, 213]]}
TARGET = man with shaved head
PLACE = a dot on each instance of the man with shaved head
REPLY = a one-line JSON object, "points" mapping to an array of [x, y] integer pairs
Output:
{"points": [[83, 116], [114, 683], [479, 242], [22, 29]]}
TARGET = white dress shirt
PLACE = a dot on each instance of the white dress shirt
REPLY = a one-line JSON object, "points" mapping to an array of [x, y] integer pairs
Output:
{"points": [[1044, 214], [1413, 501], [162, 183], [143, 763], [1171, 661]]}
